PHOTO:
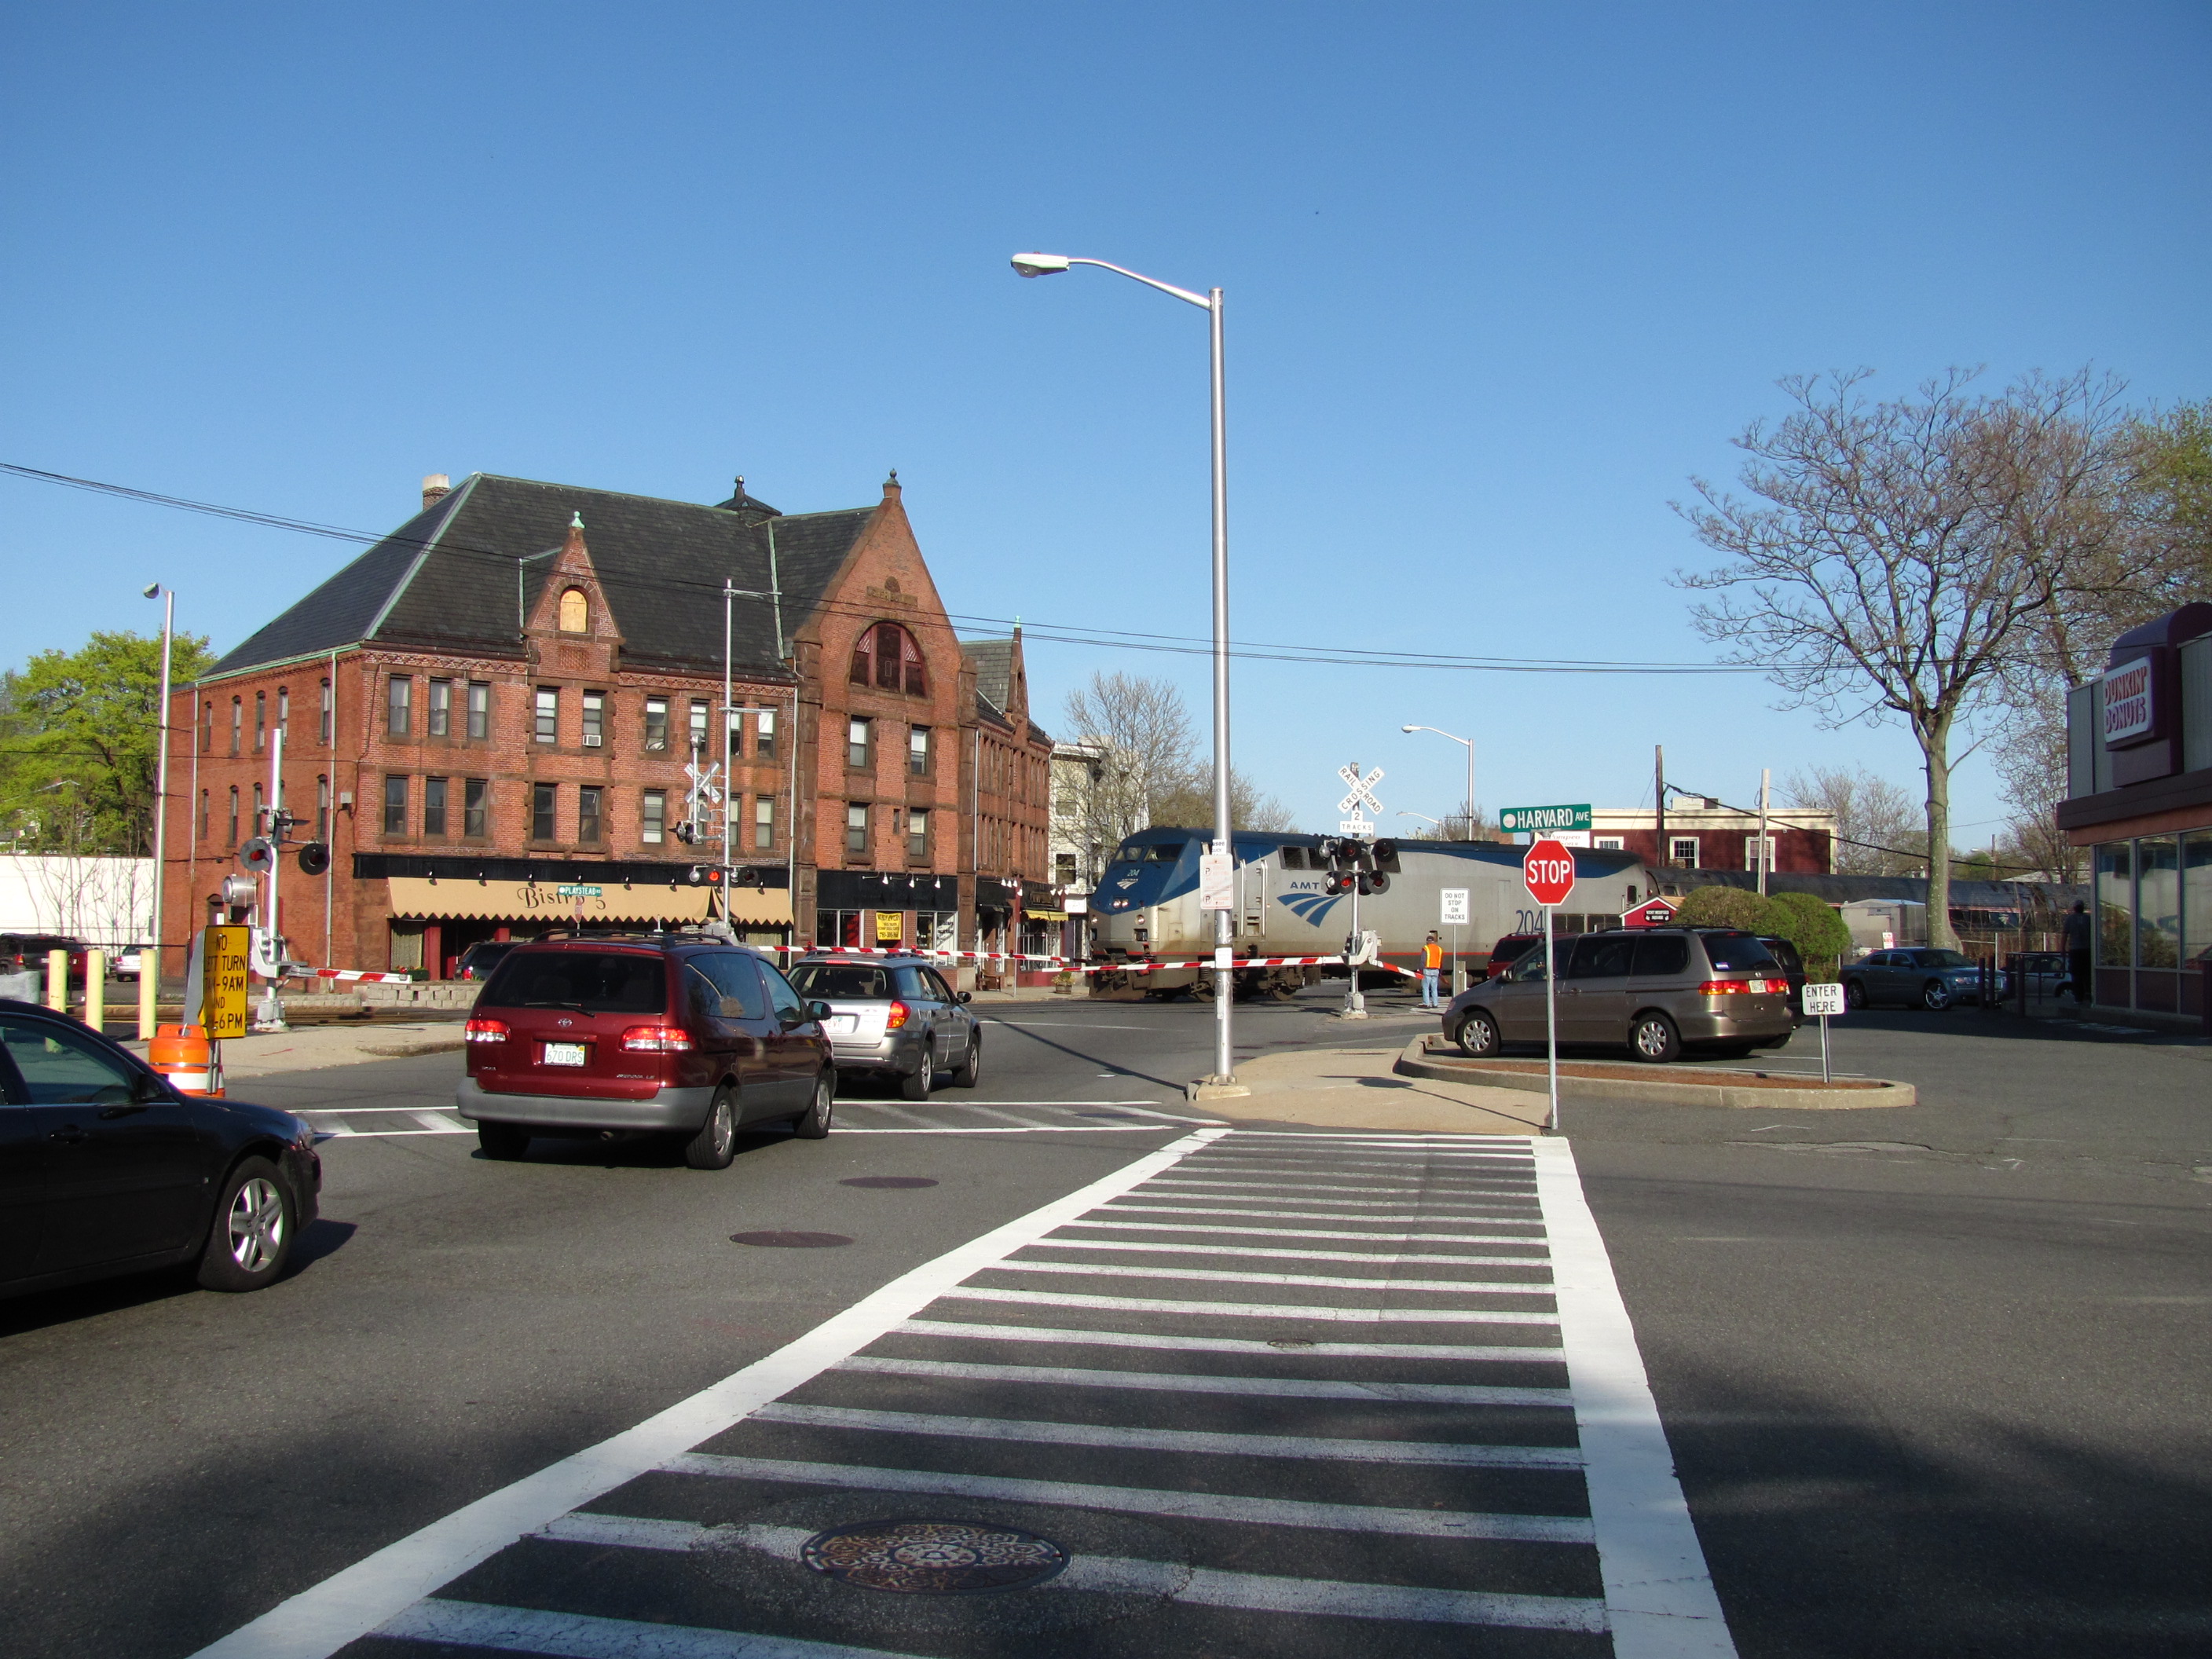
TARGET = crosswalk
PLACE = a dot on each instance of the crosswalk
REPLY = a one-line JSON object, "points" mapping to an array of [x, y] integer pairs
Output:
{"points": [[1280, 1393], [937, 1116]]}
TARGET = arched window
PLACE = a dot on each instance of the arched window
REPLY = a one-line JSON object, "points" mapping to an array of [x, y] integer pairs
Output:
{"points": [[886, 655], [575, 612]]}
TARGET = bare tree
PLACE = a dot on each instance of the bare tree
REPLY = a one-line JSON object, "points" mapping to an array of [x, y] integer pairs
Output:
{"points": [[1899, 558], [1190, 802], [1148, 769], [1467, 823], [1878, 827]]}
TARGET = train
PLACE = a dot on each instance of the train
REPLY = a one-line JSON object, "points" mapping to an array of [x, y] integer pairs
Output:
{"points": [[1145, 909]]}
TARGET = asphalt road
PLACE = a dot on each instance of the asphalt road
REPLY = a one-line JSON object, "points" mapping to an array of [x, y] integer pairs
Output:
{"points": [[1934, 1378]]}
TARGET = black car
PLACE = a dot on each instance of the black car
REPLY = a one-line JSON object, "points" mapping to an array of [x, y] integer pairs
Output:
{"points": [[1792, 964], [480, 958], [105, 1168]]}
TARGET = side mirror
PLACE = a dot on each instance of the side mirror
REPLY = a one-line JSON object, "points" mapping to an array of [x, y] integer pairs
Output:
{"points": [[964, 996], [147, 1087], [817, 1011]]}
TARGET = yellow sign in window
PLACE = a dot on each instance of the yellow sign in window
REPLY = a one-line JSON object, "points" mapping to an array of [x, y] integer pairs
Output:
{"points": [[225, 976], [890, 926]]}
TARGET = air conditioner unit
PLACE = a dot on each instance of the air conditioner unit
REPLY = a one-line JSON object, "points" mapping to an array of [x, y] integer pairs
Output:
{"points": [[592, 742]]}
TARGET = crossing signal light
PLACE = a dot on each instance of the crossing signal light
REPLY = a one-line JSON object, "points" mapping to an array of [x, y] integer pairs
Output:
{"points": [[1338, 883], [1385, 856], [1375, 883], [314, 859], [686, 834]]}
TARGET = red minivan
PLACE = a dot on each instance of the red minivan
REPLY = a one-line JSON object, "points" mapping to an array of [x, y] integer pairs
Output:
{"points": [[684, 1037]]}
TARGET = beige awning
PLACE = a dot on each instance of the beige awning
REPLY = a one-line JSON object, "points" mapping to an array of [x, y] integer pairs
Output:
{"points": [[770, 906], [509, 900], [1046, 916]]}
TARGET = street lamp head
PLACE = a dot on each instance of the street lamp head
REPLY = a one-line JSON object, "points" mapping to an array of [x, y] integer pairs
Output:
{"points": [[1040, 264], [152, 590], [1409, 728]]}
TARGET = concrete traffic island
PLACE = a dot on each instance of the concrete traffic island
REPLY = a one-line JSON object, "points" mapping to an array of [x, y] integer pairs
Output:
{"points": [[1431, 1057], [1357, 1088]]}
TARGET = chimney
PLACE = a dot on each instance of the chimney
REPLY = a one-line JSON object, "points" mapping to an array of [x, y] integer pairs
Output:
{"points": [[436, 486]]}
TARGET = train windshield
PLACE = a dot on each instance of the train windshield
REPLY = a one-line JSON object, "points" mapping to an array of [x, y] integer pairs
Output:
{"points": [[1153, 853]]}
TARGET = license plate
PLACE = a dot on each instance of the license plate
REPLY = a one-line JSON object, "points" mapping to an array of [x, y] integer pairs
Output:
{"points": [[564, 1054], [844, 1022]]}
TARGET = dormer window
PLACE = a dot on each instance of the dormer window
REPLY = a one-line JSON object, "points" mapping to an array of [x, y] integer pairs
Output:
{"points": [[575, 612], [886, 656]]}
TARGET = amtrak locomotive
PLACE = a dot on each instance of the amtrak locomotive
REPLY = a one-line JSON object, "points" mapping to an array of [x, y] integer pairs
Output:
{"points": [[1146, 907]]}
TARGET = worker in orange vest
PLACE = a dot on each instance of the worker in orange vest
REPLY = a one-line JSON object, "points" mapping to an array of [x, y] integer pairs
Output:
{"points": [[1433, 960]]}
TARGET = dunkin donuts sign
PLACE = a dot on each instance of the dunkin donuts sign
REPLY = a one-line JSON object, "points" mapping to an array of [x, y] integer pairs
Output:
{"points": [[2130, 702]]}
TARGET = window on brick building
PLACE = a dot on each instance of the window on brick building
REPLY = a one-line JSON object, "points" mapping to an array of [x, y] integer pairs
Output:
{"points": [[549, 714], [544, 805], [859, 751], [733, 722], [395, 806], [587, 814], [699, 726], [479, 708], [327, 718], [1682, 849], [576, 611], [764, 822], [1751, 852], [207, 728], [917, 751], [203, 815], [656, 724], [765, 749], [652, 818], [237, 724], [260, 825], [856, 830], [434, 806], [438, 717], [917, 833], [233, 841], [473, 792], [323, 809], [399, 705], [283, 714], [595, 719], [886, 657]]}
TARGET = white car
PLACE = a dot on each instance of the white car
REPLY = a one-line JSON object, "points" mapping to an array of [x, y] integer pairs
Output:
{"points": [[124, 965]]}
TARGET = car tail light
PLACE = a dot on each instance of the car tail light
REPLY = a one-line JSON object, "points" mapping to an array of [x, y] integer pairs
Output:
{"points": [[1726, 988], [486, 1030], [656, 1040], [898, 1016]]}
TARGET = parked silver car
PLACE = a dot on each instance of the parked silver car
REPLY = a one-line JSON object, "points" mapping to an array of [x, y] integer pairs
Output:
{"points": [[1654, 990], [1918, 978], [894, 1016]]}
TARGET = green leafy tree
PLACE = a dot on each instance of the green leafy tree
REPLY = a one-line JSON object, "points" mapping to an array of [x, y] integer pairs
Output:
{"points": [[1817, 931], [1728, 907], [79, 743]]}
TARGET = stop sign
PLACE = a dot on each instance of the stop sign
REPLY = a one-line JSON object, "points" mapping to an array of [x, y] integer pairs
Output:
{"points": [[1548, 872]]}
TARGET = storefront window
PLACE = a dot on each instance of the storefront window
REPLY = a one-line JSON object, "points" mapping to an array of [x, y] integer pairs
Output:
{"points": [[2158, 901], [2196, 895], [937, 931], [2116, 904], [833, 928]]}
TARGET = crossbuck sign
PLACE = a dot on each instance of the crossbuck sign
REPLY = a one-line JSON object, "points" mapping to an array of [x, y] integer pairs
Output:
{"points": [[1360, 800]]}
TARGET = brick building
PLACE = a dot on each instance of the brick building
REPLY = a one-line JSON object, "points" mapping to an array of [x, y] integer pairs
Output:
{"points": [[1702, 834], [491, 718]]}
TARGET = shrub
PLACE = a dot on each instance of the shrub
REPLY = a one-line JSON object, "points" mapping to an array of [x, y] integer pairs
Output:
{"points": [[1730, 906], [1817, 931]]}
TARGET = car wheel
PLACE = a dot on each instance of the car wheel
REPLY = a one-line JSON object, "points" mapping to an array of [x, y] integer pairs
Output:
{"points": [[716, 1143], [503, 1141], [1655, 1038], [1477, 1035], [813, 1123], [252, 1237], [1855, 994], [917, 1084], [971, 1065], [1936, 996]]}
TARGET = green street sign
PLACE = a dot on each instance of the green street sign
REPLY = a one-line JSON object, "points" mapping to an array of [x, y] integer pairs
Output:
{"points": [[1543, 820], [569, 890]]}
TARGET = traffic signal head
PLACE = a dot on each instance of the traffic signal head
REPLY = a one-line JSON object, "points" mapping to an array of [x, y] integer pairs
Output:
{"points": [[1327, 849], [1338, 883], [686, 834], [1385, 854], [1376, 882], [314, 859]]}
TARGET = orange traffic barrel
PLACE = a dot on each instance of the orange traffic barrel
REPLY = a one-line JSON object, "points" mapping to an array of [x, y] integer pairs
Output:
{"points": [[183, 1054]]}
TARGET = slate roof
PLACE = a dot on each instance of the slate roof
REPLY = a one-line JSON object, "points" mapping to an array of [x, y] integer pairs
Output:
{"points": [[446, 578], [993, 662]]}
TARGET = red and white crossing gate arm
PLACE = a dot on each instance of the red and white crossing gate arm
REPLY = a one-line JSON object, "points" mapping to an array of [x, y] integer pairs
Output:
{"points": [[1068, 962], [355, 974]]}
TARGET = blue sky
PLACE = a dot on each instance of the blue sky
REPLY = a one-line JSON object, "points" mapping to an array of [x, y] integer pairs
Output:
{"points": [[1500, 280]]}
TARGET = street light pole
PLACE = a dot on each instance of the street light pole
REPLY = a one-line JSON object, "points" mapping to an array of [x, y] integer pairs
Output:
{"points": [[1468, 744], [1048, 264], [150, 974]]}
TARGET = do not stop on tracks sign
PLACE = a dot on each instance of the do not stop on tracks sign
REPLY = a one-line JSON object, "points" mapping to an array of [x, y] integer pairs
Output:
{"points": [[1548, 872]]}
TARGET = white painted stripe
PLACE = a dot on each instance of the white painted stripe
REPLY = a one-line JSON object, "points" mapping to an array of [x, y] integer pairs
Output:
{"points": [[1470, 1352], [897, 1113], [323, 1618], [1533, 1241], [577, 1636], [1391, 1138], [1168, 1117], [1276, 1158], [1320, 1281], [439, 1121], [1404, 1189], [1520, 1216], [351, 1111], [1482, 1207], [1190, 1442], [1137, 1500], [1284, 1311], [1280, 1387], [387, 1135], [989, 1115], [844, 1128], [1658, 1594], [1200, 1586], [1246, 1252]]}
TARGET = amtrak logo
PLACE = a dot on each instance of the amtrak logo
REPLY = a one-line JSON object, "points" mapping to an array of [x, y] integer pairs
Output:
{"points": [[1311, 908], [1126, 883]]}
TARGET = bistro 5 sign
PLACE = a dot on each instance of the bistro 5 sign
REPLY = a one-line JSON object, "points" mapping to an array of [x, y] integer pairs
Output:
{"points": [[2130, 702]]}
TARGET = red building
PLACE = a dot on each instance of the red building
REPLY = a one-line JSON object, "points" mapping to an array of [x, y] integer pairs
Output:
{"points": [[493, 717], [1702, 834]]}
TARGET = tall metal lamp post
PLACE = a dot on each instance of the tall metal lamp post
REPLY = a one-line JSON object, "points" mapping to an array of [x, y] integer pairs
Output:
{"points": [[149, 971], [1469, 743], [1050, 264]]}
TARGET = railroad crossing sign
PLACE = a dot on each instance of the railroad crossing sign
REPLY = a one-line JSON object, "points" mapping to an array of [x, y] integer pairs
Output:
{"points": [[1548, 872], [703, 782], [1359, 801]]}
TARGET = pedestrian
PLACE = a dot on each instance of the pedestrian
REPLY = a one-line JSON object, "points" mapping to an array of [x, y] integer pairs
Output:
{"points": [[2081, 944], [1433, 960]]}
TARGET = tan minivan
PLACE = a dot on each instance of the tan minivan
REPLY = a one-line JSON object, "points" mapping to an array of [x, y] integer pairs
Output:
{"points": [[1655, 990]]}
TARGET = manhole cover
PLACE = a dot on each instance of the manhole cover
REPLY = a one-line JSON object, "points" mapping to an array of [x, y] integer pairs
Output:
{"points": [[791, 1241], [1116, 1114], [887, 1181], [1288, 1342], [933, 1558]]}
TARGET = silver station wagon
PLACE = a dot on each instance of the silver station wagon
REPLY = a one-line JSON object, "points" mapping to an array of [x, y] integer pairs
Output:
{"points": [[1656, 990], [896, 1017]]}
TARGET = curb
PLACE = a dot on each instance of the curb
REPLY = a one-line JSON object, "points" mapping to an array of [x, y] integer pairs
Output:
{"points": [[1413, 1061]]}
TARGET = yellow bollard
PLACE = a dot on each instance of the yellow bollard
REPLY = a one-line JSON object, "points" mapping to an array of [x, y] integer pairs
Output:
{"points": [[149, 989], [57, 980], [95, 989]]}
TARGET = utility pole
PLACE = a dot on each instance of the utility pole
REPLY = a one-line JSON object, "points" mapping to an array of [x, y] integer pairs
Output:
{"points": [[1765, 779], [1659, 796], [270, 1017]]}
